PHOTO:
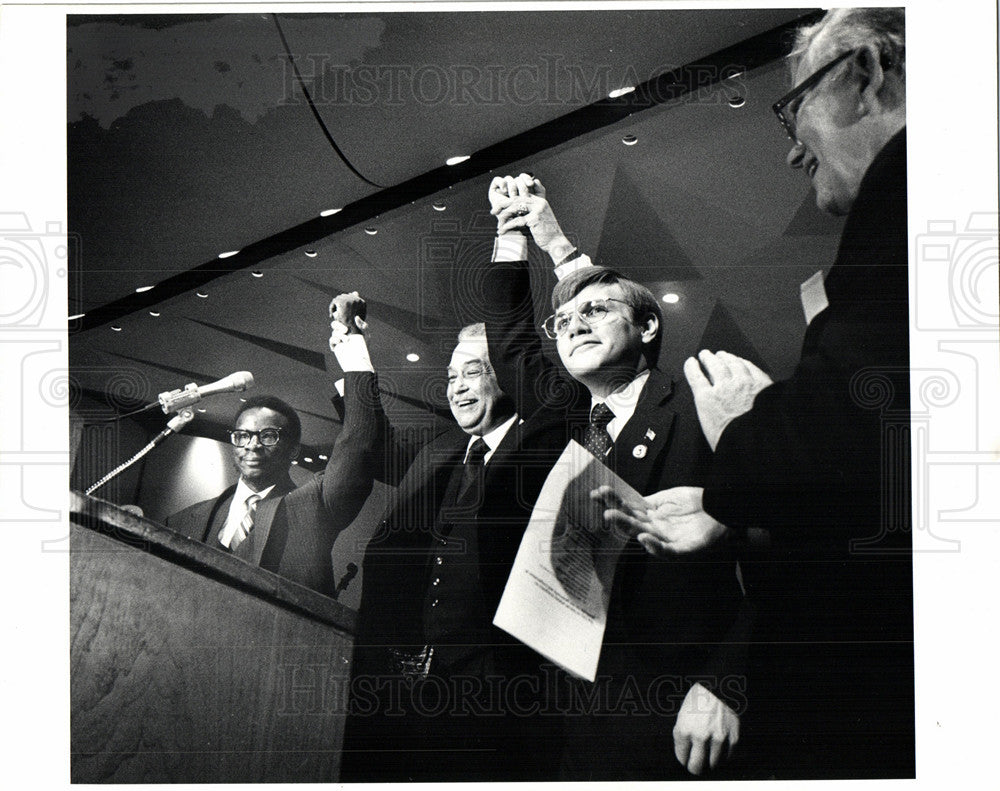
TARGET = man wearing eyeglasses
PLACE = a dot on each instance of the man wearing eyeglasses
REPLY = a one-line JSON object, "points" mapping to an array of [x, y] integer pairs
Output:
{"points": [[264, 518], [685, 620], [819, 464]]}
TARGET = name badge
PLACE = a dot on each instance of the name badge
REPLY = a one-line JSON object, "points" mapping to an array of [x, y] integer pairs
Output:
{"points": [[814, 299]]}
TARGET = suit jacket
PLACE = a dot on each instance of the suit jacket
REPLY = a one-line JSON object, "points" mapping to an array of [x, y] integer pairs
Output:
{"points": [[822, 463], [672, 622], [295, 527]]}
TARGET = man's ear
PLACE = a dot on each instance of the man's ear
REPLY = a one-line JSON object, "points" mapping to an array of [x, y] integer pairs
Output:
{"points": [[868, 75], [650, 327]]}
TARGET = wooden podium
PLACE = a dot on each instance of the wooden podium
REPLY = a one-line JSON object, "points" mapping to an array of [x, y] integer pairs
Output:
{"points": [[190, 665]]}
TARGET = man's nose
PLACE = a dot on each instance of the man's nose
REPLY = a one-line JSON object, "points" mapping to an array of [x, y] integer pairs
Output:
{"points": [[796, 155], [576, 324], [254, 442]]}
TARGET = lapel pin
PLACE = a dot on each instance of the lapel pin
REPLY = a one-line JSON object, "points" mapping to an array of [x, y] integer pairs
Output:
{"points": [[639, 451], [650, 434]]}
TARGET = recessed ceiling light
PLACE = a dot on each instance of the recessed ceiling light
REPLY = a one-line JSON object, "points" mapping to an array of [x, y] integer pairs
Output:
{"points": [[371, 231], [201, 295], [142, 289], [154, 313], [455, 160], [242, 400], [115, 329], [413, 357], [307, 459], [328, 212], [311, 253], [295, 461], [630, 140], [257, 273], [323, 457], [439, 207], [76, 316], [230, 254], [671, 298], [201, 409], [621, 92], [737, 101]]}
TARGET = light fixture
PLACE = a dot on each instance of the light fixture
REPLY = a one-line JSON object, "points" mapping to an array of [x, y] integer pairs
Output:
{"points": [[413, 357], [154, 313], [328, 212], [257, 273], [230, 254], [201, 409], [76, 316], [455, 160], [630, 140], [621, 92], [311, 253], [115, 329], [439, 207], [371, 231], [307, 459], [143, 289], [737, 101], [295, 462], [671, 298], [323, 457], [242, 400], [201, 295]]}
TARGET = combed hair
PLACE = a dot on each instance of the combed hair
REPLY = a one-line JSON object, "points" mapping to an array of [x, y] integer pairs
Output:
{"points": [[279, 406], [845, 29], [639, 298], [473, 332]]}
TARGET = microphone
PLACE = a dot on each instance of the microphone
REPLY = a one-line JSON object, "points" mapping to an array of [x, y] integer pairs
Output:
{"points": [[172, 400]]}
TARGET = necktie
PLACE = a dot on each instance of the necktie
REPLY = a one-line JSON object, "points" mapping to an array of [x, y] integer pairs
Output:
{"points": [[597, 439], [246, 524], [473, 471]]}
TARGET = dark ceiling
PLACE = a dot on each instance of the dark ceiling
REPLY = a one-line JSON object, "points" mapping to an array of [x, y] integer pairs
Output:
{"points": [[191, 136]]}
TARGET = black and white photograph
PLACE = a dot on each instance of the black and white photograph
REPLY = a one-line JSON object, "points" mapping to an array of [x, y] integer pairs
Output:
{"points": [[498, 392]]}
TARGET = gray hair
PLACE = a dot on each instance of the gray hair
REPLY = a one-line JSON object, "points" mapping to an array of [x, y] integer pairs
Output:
{"points": [[473, 332], [844, 29]]}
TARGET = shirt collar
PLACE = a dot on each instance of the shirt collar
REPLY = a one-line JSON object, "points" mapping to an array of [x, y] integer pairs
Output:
{"points": [[622, 402], [492, 438], [243, 491]]}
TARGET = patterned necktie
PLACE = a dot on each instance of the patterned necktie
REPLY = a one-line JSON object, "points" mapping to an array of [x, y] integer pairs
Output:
{"points": [[597, 439], [246, 524], [473, 470]]}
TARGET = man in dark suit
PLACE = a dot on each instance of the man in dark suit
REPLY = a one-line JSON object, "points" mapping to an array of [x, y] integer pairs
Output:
{"points": [[676, 622], [818, 465], [264, 518], [437, 692]]}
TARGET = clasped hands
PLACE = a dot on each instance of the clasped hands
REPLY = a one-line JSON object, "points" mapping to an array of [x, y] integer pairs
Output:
{"points": [[347, 314], [520, 203]]}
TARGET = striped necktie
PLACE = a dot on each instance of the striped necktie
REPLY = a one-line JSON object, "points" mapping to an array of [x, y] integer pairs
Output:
{"points": [[246, 524]]}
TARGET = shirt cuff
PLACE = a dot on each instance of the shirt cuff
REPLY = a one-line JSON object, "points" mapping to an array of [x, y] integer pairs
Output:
{"points": [[511, 246], [352, 354], [572, 265]]}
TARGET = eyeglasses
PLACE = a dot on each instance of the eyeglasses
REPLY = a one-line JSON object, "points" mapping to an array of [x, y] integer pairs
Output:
{"points": [[593, 312], [787, 116], [267, 437]]}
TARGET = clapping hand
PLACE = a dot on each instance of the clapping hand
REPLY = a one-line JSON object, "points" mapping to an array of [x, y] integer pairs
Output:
{"points": [[673, 522], [726, 393]]}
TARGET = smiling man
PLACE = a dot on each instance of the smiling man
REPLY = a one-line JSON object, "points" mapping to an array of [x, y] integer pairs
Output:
{"points": [[437, 692], [819, 464], [264, 518]]}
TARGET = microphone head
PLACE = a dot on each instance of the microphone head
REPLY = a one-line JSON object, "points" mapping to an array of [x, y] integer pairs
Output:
{"points": [[241, 380]]}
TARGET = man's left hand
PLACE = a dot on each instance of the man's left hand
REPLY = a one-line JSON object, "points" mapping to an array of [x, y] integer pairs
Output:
{"points": [[726, 393], [706, 731]]}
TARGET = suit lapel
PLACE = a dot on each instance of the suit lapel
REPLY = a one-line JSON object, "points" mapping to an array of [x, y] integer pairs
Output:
{"points": [[216, 518], [252, 549], [642, 440]]}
